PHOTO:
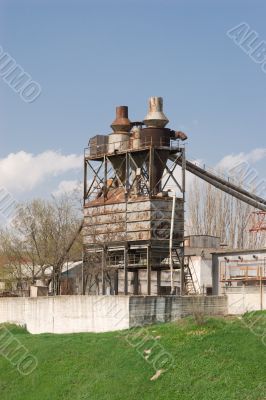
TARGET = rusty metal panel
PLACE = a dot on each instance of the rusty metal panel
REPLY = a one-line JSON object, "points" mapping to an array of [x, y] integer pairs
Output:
{"points": [[138, 226], [134, 236], [105, 228], [104, 219], [104, 238], [105, 209], [98, 145], [138, 216], [148, 219], [139, 206]]}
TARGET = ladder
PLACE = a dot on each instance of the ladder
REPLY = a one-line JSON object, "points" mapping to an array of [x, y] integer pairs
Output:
{"points": [[191, 282]]}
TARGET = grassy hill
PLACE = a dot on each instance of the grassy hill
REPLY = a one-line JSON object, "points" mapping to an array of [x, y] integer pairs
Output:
{"points": [[221, 359]]}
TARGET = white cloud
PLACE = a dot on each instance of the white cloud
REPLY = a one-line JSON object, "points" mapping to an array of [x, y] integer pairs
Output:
{"points": [[68, 187], [24, 171], [232, 160]]}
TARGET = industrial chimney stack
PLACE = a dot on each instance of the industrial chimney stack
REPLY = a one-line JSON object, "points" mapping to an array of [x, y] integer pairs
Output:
{"points": [[155, 117]]}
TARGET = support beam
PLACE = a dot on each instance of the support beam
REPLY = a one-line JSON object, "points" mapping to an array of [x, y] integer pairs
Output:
{"points": [[166, 176], [85, 180], [182, 275], [184, 162], [151, 172], [105, 179], [171, 175], [89, 191], [116, 277], [148, 270], [103, 269], [127, 185], [158, 282], [136, 282], [126, 270]]}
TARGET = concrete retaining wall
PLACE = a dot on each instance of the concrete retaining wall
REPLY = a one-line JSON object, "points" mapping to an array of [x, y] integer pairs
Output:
{"points": [[68, 314], [151, 309], [244, 299]]}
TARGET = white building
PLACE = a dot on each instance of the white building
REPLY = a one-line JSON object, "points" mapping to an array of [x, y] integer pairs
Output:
{"points": [[241, 276], [198, 252]]}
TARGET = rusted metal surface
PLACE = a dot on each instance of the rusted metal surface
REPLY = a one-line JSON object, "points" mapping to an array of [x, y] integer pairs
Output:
{"points": [[127, 135], [258, 221], [125, 201], [120, 144], [113, 196], [180, 135], [121, 124], [159, 137], [140, 220], [98, 145]]}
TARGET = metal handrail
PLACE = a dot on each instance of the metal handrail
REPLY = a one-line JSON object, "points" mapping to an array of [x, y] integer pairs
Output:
{"points": [[103, 149]]}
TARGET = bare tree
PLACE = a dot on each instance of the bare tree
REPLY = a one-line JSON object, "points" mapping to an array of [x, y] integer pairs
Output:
{"points": [[38, 239], [213, 212]]}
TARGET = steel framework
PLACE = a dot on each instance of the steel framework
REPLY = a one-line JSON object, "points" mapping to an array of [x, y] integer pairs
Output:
{"points": [[127, 210]]}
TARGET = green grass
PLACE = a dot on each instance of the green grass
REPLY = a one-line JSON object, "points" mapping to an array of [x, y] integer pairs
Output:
{"points": [[222, 359]]}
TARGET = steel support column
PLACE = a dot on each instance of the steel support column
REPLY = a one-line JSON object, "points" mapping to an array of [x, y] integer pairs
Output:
{"points": [[158, 282], [151, 171], [136, 282], [148, 270], [126, 270], [182, 258], [116, 282], [103, 269]]}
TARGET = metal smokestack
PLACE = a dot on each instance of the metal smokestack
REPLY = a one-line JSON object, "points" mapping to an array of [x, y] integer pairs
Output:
{"points": [[121, 124], [155, 117], [119, 140]]}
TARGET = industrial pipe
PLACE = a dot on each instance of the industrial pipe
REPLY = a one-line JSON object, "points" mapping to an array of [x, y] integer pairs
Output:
{"points": [[227, 183], [223, 185]]}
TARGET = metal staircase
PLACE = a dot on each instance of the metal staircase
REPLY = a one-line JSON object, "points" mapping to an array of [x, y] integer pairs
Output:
{"points": [[192, 285], [191, 282], [188, 280]]}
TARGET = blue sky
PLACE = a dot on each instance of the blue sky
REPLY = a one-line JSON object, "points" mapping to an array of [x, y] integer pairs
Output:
{"points": [[89, 56]]}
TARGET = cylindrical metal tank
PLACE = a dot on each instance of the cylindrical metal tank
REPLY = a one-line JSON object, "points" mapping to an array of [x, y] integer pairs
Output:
{"points": [[156, 137], [119, 139]]}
